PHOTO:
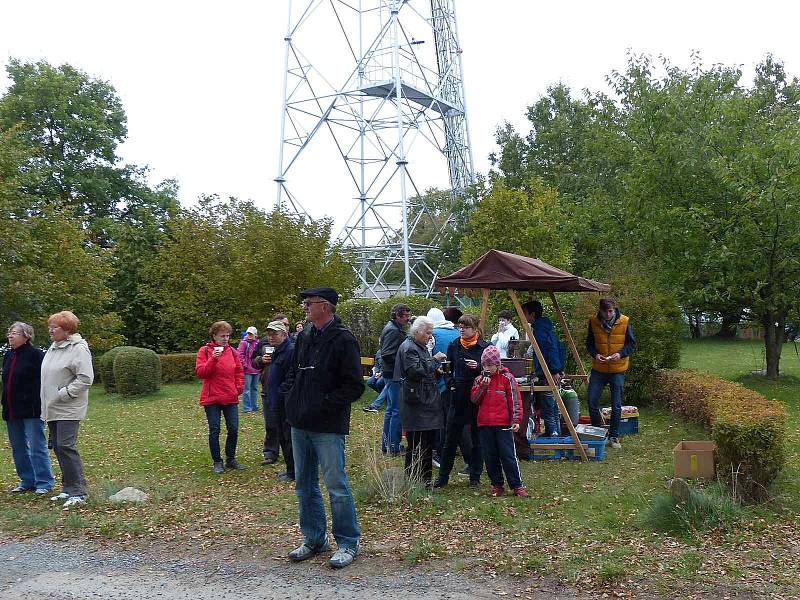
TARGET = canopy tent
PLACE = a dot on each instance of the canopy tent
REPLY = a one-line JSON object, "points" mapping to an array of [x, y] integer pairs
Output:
{"points": [[497, 270]]}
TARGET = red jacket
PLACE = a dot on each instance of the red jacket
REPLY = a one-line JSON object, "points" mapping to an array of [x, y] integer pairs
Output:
{"points": [[499, 403], [223, 377]]}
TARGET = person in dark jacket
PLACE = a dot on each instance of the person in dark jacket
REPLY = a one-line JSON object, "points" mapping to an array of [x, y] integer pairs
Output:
{"points": [[392, 336], [275, 357], [22, 409], [554, 353], [464, 355], [420, 400], [323, 381]]}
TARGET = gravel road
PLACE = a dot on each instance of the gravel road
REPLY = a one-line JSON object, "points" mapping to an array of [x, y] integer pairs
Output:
{"points": [[46, 568]]}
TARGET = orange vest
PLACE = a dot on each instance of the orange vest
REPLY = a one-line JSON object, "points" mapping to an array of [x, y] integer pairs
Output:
{"points": [[609, 342]]}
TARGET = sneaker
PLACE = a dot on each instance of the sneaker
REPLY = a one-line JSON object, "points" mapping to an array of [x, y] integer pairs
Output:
{"points": [[234, 465], [436, 464], [41, 491], [497, 490], [520, 492], [305, 551], [219, 468], [370, 409], [614, 443], [474, 483], [269, 459], [464, 472], [73, 500], [439, 483], [343, 557], [19, 490], [285, 477], [61, 496]]}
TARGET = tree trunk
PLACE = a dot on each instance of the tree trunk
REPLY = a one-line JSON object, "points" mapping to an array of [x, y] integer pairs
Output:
{"points": [[730, 320], [694, 325], [774, 323]]}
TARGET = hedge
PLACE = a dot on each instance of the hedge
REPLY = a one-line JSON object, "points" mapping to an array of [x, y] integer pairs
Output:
{"points": [[748, 429], [178, 368], [106, 368], [136, 371]]}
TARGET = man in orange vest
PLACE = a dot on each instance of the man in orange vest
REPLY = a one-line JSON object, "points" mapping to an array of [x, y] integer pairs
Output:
{"points": [[609, 342]]}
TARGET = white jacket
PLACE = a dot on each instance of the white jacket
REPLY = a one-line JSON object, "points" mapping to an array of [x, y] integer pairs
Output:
{"points": [[501, 339], [67, 375]]}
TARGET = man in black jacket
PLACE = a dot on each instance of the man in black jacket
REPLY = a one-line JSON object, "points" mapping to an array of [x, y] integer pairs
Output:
{"points": [[324, 379], [392, 336]]}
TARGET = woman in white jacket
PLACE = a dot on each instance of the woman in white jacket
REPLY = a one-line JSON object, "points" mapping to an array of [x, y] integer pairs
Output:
{"points": [[67, 375], [505, 333]]}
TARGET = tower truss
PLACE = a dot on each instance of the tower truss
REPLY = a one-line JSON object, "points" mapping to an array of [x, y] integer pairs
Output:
{"points": [[374, 115]]}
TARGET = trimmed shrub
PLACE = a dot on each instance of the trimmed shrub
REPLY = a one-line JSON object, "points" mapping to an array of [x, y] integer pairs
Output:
{"points": [[178, 368], [657, 326], [137, 371], [106, 368], [749, 430]]}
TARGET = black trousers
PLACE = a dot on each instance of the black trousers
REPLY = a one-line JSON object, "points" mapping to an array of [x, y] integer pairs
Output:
{"points": [[452, 436], [277, 435], [419, 455]]}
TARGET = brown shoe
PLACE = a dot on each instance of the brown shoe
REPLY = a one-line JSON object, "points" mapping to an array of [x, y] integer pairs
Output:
{"points": [[497, 490], [520, 492]]}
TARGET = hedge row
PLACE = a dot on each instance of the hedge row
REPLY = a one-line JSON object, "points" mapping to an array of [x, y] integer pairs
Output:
{"points": [[748, 429], [178, 368]]}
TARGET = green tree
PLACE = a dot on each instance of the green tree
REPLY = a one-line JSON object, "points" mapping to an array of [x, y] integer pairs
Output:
{"points": [[229, 260]]}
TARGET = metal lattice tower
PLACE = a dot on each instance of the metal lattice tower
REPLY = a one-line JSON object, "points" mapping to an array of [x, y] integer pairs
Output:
{"points": [[376, 86]]}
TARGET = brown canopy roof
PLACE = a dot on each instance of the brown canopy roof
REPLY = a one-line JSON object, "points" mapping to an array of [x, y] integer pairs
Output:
{"points": [[498, 270]]}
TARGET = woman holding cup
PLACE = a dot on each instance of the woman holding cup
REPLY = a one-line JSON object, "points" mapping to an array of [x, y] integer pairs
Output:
{"points": [[222, 375]]}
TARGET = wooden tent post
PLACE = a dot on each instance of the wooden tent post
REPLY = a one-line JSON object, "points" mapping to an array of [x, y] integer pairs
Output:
{"points": [[484, 310], [570, 340], [551, 384]]}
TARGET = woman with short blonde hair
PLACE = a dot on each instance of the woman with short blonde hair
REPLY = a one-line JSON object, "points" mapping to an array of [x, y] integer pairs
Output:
{"points": [[67, 375]]}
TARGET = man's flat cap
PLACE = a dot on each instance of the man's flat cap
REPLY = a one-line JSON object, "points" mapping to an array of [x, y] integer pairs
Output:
{"points": [[327, 293]]}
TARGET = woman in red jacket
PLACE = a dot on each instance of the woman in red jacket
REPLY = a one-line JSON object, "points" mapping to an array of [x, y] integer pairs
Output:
{"points": [[223, 381], [496, 393]]}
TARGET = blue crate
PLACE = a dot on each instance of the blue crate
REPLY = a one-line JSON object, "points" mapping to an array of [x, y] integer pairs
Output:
{"points": [[629, 426], [595, 451], [546, 454]]}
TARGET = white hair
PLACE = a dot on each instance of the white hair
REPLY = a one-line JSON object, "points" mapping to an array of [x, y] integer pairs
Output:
{"points": [[23, 328], [419, 324]]}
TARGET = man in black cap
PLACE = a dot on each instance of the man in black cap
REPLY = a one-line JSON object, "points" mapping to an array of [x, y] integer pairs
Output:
{"points": [[324, 379]]}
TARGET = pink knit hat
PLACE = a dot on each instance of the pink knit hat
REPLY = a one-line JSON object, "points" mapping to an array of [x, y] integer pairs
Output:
{"points": [[490, 356]]}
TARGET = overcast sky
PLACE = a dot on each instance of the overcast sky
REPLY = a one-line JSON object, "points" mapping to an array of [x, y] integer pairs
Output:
{"points": [[201, 81]]}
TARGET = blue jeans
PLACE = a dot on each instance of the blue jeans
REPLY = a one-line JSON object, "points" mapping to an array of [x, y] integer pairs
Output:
{"points": [[500, 454], [550, 413], [376, 383], [597, 381], [312, 451], [29, 450], [392, 430], [213, 414], [250, 393], [380, 399]]}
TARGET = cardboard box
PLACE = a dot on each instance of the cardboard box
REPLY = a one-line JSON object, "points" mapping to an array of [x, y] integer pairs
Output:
{"points": [[694, 460]]}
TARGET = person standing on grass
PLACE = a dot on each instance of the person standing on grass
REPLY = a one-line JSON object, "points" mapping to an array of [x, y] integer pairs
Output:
{"points": [[67, 375], [444, 332], [275, 358], [609, 342], [22, 411], [393, 334], [505, 332], [323, 381], [420, 401], [251, 374], [496, 394], [222, 375]]}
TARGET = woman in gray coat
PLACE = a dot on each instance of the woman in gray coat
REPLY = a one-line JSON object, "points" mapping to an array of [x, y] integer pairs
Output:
{"points": [[420, 403], [67, 375]]}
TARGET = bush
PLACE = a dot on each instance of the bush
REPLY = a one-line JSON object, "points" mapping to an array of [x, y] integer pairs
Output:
{"points": [[749, 430], [178, 368], [657, 326], [704, 508], [137, 371], [106, 368]]}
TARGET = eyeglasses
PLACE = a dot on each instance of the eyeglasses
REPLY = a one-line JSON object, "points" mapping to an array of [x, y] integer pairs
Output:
{"points": [[13, 333], [310, 302]]}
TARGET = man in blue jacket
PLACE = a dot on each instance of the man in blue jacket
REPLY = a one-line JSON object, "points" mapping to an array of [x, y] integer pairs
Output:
{"points": [[554, 353]]}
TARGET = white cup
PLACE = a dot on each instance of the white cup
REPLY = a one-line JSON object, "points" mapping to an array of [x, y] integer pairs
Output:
{"points": [[269, 349], [219, 349]]}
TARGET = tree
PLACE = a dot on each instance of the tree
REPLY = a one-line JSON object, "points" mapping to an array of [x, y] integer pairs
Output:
{"points": [[229, 260]]}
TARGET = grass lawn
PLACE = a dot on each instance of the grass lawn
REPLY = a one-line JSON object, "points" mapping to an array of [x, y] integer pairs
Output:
{"points": [[582, 523]]}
